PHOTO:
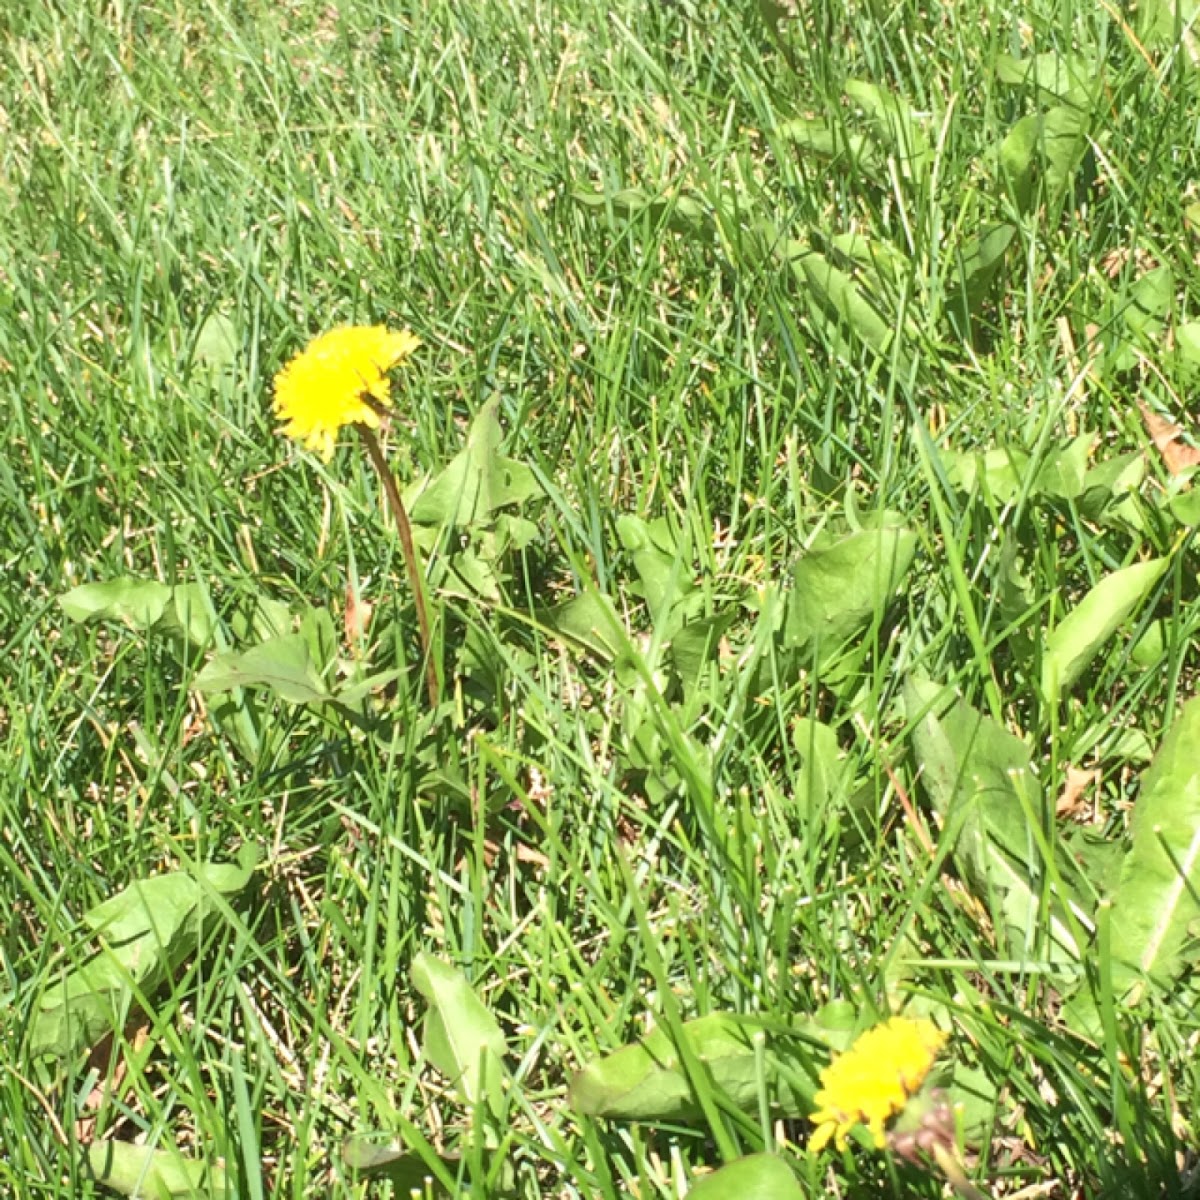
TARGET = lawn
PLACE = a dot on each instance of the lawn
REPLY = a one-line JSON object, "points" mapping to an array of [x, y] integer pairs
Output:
{"points": [[799, 457]]}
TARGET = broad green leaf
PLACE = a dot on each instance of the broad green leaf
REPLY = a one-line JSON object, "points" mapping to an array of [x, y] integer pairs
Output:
{"points": [[355, 691], [896, 125], [974, 1093], [512, 532], [477, 568], [1185, 507], [1063, 144], [1085, 630], [1169, 22], [681, 213], [979, 258], [154, 1174], [472, 575], [841, 585], [405, 1169], [1097, 860], [666, 578], [140, 603], [857, 150], [1003, 473], [840, 298], [478, 481], [646, 1081], [217, 345], [976, 264], [1018, 156], [1066, 77], [144, 604], [1186, 356], [1155, 908], [266, 618], [1112, 479], [320, 635], [1050, 145], [1065, 469], [588, 620], [999, 473], [824, 773], [141, 935], [1149, 303], [462, 1039], [191, 613], [282, 664], [665, 581], [237, 717], [1150, 647], [979, 780], [756, 1177], [1014, 590], [695, 644], [882, 259]]}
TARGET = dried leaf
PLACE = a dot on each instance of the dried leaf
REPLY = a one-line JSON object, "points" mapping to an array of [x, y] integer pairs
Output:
{"points": [[1177, 457], [1073, 800], [356, 617], [106, 1088]]}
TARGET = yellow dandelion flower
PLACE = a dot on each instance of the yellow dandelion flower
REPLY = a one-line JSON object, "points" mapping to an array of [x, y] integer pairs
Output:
{"points": [[339, 378], [873, 1080]]}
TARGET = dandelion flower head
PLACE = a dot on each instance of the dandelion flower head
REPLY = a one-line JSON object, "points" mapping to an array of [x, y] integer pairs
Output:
{"points": [[873, 1080], [339, 378]]}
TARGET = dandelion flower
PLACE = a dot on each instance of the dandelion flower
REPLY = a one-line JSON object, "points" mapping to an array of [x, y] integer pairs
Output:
{"points": [[873, 1080], [339, 378]]}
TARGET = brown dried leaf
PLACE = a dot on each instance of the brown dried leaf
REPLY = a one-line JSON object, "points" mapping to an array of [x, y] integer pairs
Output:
{"points": [[527, 854], [356, 618], [1177, 456], [1073, 800], [108, 1087]]}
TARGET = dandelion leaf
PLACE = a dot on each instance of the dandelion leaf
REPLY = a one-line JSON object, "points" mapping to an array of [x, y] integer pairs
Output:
{"points": [[462, 1038], [408, 1172], [154, 1174], [478, 482], [979, 779], [282, 664], [1066, 77], [681, 212], [647, 1081], [143, 604], [217, 346], [843, 584], [141, 935], [1077, 639], [755, 1177], [1157, 899]]}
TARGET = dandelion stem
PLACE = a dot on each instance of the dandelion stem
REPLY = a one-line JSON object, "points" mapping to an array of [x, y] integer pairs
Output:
{"points": [[410, 556], [951, 1168]]}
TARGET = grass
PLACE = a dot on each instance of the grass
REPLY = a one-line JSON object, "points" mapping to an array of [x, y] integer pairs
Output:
{"points": [[598, 214]]}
